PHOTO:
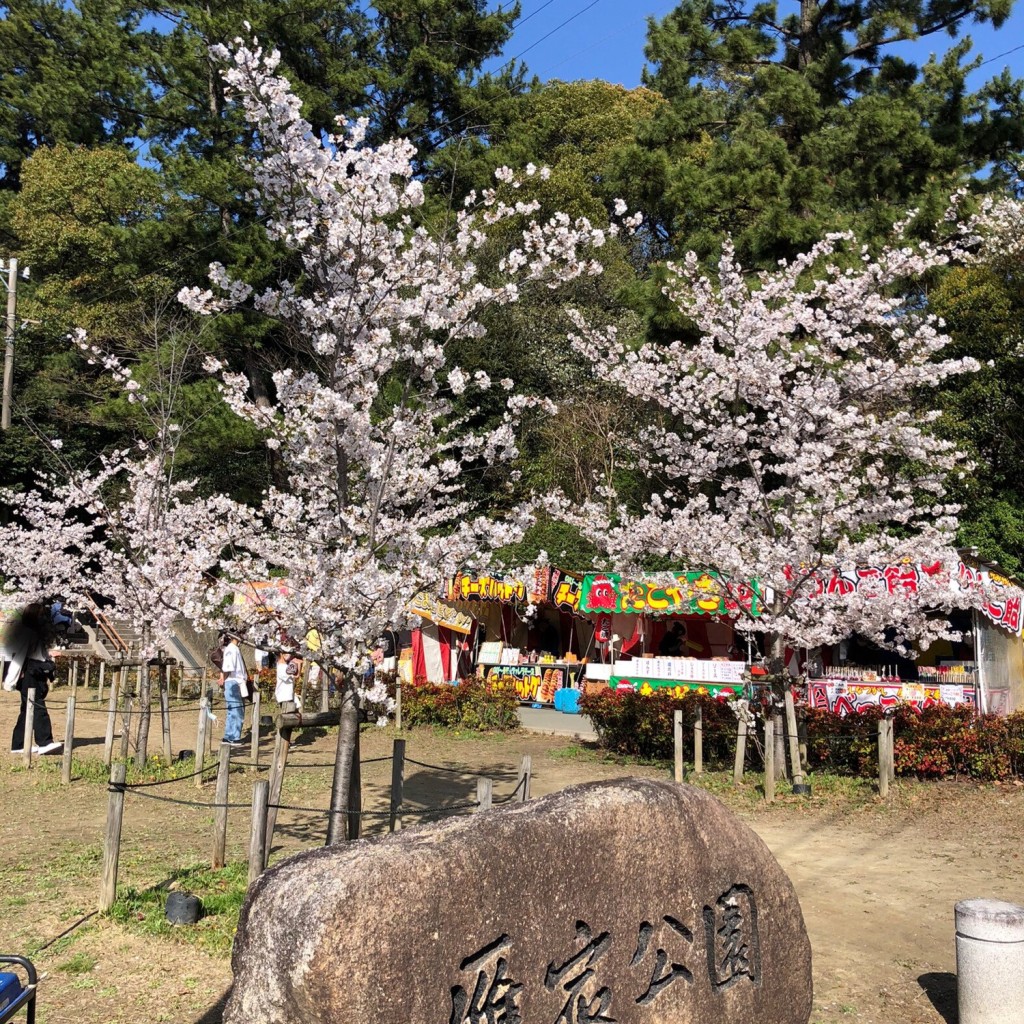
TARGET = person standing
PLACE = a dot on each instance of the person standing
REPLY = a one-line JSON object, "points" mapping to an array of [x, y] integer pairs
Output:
{"points": [[284, 689], [233, 678], [27, 642]]}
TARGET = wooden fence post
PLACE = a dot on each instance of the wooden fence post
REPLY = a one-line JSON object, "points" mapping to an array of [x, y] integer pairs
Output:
{"points": [[883, 760], [698, 742], [398, 702], [209, 727], [254, 731], [69, 742], [677, 742], [201, 730], [769, 758], [741, 751], [282, 744], [88, 672], [102, 679], [891, 734], [73, 681], [126, 727], [112, 839], [483, 794], [181, 681], [355, 794], [397, 784], [258, 829], [165, 721], [795, 762], [30, 727], [108, 741], [220, 815], [525, 777]]}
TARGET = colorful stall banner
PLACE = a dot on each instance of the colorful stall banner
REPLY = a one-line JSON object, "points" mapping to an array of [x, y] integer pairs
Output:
{"points": [[534, 684], [434, 610], [1004, 610], [694, 593], [851, 698], [564, 590], [906, 578], [675, 688], [486, 588]]}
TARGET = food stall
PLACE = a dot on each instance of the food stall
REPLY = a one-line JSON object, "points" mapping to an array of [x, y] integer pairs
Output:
{"points": [[678, 634], [532, 638], [984, 669]]}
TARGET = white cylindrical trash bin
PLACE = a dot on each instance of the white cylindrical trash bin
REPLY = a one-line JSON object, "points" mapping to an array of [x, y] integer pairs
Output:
{"points": [[990, 962]]}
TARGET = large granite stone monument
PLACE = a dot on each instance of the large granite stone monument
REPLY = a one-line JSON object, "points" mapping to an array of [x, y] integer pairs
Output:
{"points": [[633, 902]]}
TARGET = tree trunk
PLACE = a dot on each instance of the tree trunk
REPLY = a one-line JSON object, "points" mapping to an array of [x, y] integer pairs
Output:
{"points": [[808, 9], [142, 737], [779, 676], [780, 743], [348, 732]]}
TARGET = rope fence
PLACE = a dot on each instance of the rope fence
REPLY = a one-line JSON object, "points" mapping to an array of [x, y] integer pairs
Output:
{"points": [[267, 801]]}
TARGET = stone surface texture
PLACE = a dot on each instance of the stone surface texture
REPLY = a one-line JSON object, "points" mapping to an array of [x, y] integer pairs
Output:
{"points": [[632, 901], [990, 961]]}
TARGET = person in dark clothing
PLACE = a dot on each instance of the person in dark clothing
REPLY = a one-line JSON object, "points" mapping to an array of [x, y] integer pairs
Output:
{"points": [[672, 643], [27, 641]]}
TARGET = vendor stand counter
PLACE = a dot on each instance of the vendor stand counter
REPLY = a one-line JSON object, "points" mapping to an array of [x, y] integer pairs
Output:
{"points": [[850, 696], [716, 678], [539, 682], [534, 682]]}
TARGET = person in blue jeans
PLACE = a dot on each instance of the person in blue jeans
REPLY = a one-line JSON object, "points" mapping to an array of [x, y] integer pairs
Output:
{"points": [[233, 678]]}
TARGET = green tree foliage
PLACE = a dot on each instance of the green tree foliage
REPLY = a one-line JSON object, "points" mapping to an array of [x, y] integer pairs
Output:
{"points": [[780, 127], [984, 412], [113, 232], [66, 75]]}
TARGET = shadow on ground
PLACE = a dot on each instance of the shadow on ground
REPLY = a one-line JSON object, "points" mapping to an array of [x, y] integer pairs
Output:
{"points": [[940, 988], [215, 1014]]}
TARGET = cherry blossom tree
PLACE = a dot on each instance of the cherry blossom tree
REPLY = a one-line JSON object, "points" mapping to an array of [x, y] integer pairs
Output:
{"points": [[127, 528], [790, 443], [377, 460]]}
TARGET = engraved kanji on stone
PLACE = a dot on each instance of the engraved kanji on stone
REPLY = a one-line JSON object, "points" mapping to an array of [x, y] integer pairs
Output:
{"points": [[588, 1002], [734, 952], [669, 931], [494, 993]]}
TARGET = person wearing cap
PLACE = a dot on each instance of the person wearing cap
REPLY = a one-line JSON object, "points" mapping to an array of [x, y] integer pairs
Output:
{"points": [[233, 678]]}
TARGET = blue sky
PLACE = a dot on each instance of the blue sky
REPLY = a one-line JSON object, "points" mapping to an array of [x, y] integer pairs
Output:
{"points": [[605, 39]]}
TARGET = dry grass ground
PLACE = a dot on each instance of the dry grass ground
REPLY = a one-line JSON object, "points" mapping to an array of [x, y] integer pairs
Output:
{"points": [[877, 881]]}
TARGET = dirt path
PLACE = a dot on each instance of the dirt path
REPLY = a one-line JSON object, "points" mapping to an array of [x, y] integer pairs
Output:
{"points": [[877, 882]]}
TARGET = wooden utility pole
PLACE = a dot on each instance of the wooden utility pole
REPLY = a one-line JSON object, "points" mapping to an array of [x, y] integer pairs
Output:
{"points": [[12, 305]]}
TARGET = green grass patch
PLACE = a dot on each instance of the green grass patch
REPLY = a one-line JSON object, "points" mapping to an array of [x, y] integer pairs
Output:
{"points": [[221, 892], [47, 771], [80, 963]]}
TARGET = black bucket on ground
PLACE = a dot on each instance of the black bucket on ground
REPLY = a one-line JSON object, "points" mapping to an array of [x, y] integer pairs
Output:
{"points": [[183, 908]]}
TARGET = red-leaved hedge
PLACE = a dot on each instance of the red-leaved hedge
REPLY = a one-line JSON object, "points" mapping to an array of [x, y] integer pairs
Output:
{"points": [[937, 742]]}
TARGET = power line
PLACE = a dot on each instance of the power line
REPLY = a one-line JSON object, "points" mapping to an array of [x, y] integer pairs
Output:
{"points": [[509, 63], [523, 21], [557, 28], [999, 56], [604, 39]]}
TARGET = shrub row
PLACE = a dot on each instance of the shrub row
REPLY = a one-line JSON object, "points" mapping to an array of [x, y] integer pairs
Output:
{"points": [[936, 742], [470, 705], [638, 725]]}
